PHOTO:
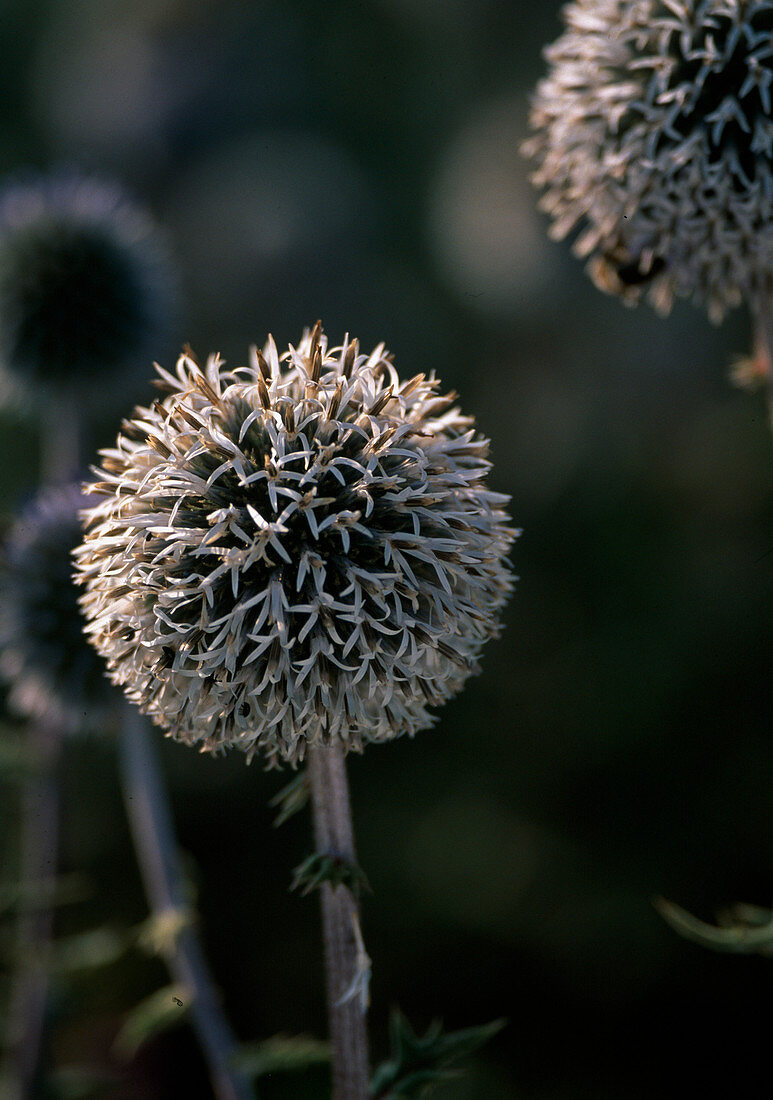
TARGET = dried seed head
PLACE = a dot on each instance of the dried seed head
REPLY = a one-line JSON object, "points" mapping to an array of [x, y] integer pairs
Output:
{"points": [[302, 567], [654, 137]]}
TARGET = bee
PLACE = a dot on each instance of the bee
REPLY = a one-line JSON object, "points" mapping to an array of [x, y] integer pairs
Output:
{"points": [[631, 274], [615, 272]]}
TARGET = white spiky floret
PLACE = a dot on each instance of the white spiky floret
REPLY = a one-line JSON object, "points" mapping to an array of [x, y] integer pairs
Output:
{"points": [[299, 550], [652, 137]]}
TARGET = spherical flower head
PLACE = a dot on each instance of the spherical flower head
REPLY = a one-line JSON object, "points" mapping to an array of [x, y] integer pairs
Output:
{"points": [[293, 552], [51, 672], [86, 288], [654, 137]]}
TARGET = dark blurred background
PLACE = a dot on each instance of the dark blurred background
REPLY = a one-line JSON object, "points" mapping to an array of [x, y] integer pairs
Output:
{"points": [[358, 162]]}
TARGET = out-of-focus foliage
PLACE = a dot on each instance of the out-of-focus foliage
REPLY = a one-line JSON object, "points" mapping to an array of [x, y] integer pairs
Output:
{"points": [[282, 1054], [358, 162], [419, 1063], [152, 1016]]}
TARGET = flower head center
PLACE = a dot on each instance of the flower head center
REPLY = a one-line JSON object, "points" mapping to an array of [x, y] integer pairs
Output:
{"points": [[720, 82]]}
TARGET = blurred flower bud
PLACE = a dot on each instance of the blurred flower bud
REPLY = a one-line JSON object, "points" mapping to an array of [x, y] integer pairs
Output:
{"points": [[86, 288], [50, 670], [654, 137]]}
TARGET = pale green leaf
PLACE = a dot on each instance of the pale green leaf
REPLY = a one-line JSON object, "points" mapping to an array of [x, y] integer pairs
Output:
{"points": [[281, 1054], [162, 1010]]}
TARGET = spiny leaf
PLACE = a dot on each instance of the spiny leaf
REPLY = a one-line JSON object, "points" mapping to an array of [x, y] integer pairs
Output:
{"points": [[744, 930], [292, 798], [81, 1083], [419, 1063], [68, 889], [90, 950], [281, 1054], [419, 1084], [333, 869], [162, 1010], [755, 916]]}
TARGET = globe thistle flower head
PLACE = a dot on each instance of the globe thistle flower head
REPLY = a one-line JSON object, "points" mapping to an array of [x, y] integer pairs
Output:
{"points": [[50, 671], [300, 550], [86, 288], [654, 138]]}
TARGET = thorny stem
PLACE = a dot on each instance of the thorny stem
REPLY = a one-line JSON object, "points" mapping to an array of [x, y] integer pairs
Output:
{"points": [[334, 836], [29, 986], [154, 841]]}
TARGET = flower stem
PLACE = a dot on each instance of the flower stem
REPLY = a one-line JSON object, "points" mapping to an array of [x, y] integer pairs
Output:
{"points": [[60, 446], [39, 843], [154, 841], [334, 836]]}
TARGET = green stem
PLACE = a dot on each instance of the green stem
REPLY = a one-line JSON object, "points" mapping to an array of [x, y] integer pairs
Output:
{"points": [[344, 957], [154, 841]]}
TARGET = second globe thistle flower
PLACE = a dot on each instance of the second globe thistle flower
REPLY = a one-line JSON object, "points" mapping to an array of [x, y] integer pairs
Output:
{"points": [[86, 287], [51, 673], [300, 550], [654, 138]]}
